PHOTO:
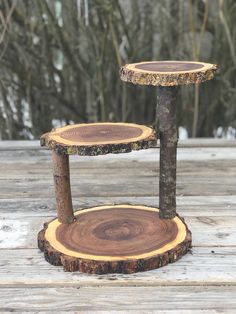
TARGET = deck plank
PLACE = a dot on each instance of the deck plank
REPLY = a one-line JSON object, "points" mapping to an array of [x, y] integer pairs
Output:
{"points": [[122, 186], [186, 205], [213, 266], [146, 155], [122, 298], [26, 174], [207, 231], [191, 142]]}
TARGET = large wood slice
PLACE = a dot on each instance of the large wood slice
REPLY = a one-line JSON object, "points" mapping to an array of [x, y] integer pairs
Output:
{"points": [[167, 73], [99, 138], [115, 239]]}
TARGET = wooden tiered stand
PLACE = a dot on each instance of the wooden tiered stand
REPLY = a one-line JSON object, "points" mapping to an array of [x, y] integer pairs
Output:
{"points": [[121, 238]]}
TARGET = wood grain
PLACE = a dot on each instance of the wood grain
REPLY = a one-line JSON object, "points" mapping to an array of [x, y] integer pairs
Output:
{"points": [[207, 230], [26, 267], [61, 176], [170, 66], [142, 185], [94, 139], [117, 238], [168, 134], [188, 206], [25, 145], [123, 298], [167, 73]]}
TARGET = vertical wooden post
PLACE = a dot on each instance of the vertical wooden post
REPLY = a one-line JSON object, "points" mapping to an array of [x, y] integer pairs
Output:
{"points": [[61, 174], [167, 129]]}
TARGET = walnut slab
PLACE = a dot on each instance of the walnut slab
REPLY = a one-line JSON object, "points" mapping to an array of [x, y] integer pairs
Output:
{"points": [[99, 138], [115, 239], [167, 73]]}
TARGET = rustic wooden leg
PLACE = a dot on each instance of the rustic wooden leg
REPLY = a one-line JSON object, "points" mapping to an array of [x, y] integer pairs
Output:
{"points": [[167, 129], [61, 173]]}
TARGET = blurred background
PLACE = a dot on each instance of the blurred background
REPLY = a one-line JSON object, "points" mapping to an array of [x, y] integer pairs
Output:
{"points": [[60, 60]]}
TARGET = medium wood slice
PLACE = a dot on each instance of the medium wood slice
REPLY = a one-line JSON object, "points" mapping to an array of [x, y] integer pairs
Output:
{"points": [[115, 239], [99, 138], [167, 73]]}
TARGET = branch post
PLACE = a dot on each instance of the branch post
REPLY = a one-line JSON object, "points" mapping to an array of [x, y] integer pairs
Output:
{"points": [[61, 175], [168, 134]]}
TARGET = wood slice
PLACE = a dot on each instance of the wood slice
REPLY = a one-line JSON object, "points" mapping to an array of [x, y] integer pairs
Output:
{"points": [[167, 73], [115, 239], [99, 138]]}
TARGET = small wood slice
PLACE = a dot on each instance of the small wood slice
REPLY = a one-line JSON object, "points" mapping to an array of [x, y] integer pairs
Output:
{"points": [[99, 138], [167, 73], [115, 239]]}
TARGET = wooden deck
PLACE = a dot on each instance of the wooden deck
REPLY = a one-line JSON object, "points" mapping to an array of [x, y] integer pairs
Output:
{"points": [[204, 281]]}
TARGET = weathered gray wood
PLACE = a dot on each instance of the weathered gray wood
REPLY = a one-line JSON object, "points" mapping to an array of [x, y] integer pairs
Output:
{"points": [[182, 311], [207, 231], [122, 298], [26, 267], [191, 142], [123, 186], [211, 169], [134, 312], [206, 198], [190, 206], [190, 154], [136, 177]]}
